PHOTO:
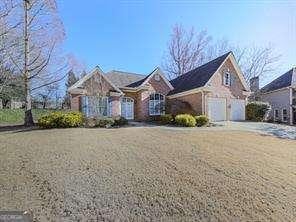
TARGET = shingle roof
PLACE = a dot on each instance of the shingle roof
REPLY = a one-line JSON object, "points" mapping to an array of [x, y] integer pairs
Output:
{"points": [[140, 82], [283, 81], [197, 77], [123, 79]]}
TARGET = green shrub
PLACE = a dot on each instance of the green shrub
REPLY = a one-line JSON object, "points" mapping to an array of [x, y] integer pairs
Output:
{"points": [[256, 111], [60, 120], [185, 120], [120, 121], [166, 119], [201, 120], [105, 122]]}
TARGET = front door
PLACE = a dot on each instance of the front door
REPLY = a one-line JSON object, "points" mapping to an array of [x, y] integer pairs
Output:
{"points": [[127, 108]]}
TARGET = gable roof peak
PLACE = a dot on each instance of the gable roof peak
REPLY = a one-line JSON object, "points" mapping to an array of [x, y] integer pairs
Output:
{"points": [[284, 80], [199, 76]]}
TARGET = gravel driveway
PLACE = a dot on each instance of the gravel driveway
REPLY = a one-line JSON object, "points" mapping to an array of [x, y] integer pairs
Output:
{"points": [[148, 174]]}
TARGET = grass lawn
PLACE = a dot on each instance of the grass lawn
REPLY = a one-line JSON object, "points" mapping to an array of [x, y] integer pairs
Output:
{"points": [[16, 116], [137, 174]]}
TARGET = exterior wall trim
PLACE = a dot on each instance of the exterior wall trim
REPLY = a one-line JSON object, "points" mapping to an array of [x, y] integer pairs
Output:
{"points": [[188, 92], [86, 77], [237, 69], [159, 72], [273, 91]]}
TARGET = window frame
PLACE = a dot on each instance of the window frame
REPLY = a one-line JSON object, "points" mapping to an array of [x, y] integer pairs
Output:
{"points": [[274, 114], [92, 108], [153, 103], [225, 83], [284, 115]]}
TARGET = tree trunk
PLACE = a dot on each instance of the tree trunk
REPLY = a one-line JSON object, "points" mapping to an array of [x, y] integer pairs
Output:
{"points": [[44, 104], [28, 121], [28, 110]]}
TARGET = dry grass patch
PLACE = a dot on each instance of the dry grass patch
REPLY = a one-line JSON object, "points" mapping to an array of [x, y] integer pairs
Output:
{"points": [[148, 173]]}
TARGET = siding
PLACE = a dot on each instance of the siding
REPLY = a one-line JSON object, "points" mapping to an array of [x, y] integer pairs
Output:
{"points": [[278, 100]]}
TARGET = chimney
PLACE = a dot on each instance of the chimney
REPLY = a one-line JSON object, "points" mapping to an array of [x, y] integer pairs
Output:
{"points": [[254, 84]]}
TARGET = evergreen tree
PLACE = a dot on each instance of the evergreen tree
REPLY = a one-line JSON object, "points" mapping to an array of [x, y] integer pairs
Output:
{"points": [[72, 79]]}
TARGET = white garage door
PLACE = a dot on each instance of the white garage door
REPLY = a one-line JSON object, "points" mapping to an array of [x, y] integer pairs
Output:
{"points": [[237, 111], [217, 109]]}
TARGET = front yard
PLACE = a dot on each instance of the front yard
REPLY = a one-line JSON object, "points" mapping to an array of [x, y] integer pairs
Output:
{"points": [[148, 173], [16, 116]]}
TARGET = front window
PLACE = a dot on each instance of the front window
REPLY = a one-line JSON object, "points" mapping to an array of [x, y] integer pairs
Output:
{"points": [[156, 104], [227, 79], [95, 106], [285, 115]]}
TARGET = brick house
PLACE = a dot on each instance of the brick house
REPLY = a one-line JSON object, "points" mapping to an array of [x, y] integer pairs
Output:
{"points": [[216, 89]]}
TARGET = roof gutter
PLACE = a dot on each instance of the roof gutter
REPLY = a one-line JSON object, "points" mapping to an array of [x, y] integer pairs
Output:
{"points": [[287, 87], [133, 89], [189, 92]]}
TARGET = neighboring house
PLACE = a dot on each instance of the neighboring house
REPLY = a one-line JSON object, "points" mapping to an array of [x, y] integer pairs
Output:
{"points": [[281, 95], [216, 89]]}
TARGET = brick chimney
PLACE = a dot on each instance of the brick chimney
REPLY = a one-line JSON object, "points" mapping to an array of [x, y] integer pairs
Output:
{"points": [[254, 84]]}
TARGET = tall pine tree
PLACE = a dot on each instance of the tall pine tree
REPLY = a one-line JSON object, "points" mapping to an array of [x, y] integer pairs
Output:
{"points": [[72, 79]]}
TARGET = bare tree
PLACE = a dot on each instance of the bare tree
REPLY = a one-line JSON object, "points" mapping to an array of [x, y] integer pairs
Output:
{"points": [[47, 93], [254, 61], [7, 25], [217, 48], [36, 56], [186, 50], [258, 61]]}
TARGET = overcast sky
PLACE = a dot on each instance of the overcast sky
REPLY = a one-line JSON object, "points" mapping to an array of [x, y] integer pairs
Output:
{"points": [[133, 35]]}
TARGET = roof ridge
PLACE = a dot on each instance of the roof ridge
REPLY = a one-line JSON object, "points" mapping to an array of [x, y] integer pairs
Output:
{"points": [[126, 72], [219, 57], [213, 60], [277, 79]]}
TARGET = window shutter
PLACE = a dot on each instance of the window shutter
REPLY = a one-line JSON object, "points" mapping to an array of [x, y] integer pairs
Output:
{"points": [[232, 79]]}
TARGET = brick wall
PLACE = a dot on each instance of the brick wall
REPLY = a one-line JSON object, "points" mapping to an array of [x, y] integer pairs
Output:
{"points": [[219, 90], [75, 102], [194, 100], [94, 86], [154, 87]]}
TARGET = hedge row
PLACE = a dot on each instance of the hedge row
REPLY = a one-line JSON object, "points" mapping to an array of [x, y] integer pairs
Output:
{"points": [[75, 119], [185, 120]]}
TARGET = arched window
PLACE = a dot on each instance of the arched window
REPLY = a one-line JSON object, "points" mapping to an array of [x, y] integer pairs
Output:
{"points": [[156, 104]]}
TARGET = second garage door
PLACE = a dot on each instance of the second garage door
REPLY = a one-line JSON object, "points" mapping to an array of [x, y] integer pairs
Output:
{"points": [[217, 109], [237, 111]]}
